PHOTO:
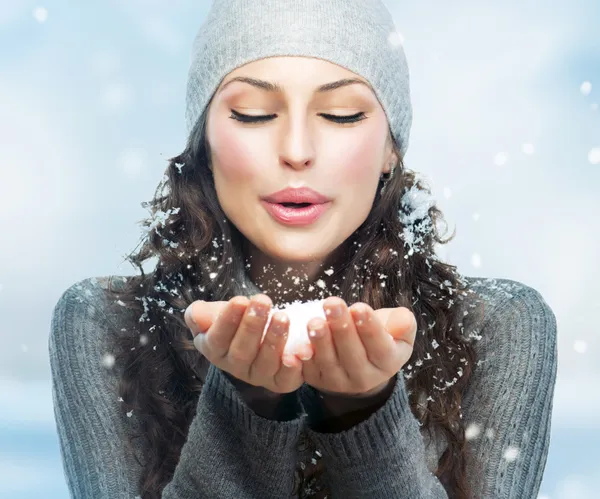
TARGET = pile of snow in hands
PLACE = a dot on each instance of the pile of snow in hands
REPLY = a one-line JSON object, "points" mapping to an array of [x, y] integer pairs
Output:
{"points": [[299, 314]]}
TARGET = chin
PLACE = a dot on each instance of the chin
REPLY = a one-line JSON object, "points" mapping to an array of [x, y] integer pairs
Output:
{"points": [[305, 250]]}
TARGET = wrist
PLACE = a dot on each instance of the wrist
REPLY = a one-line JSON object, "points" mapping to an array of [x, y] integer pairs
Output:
{"points": [[265, 403], [335, 407], [244, 388], [373, 394]]}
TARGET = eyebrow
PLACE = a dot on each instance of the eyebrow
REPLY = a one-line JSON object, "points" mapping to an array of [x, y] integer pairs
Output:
{"points": [[274, 87]]}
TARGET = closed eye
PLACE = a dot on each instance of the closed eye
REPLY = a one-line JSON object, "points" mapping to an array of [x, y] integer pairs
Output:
{"points": [[246, 118]]}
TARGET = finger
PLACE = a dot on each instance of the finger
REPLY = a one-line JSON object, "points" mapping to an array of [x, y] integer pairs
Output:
{"points": [[324, 350], [200, 315], [245, 344], [189, 322], [288, 377], [351, 353], [379, 345], [191, 319], [287, 369], [268, 360], [324, 364], [403, 324], [400, 322], [289, 374], [214, 345]]}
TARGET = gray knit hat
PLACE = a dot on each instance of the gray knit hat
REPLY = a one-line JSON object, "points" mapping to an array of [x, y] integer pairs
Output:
{"points": [[359, 35]]}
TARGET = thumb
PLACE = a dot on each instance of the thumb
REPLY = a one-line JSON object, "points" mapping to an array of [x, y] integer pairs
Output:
{"points": [[399, 322], [200, 315]]}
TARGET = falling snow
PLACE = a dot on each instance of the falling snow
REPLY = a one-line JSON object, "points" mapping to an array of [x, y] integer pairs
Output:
{"points": [[580, 346], [395, 39], [511, 453], [594, 156], [40, 14], [160, 219], [415, 204], [417, 226], [414, 214], [586, 88], [472, 431], [108, 361], [528, 149], [500, 159]]}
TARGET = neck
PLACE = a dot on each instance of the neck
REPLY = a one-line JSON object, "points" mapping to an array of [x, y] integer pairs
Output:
{"points": [[285, 281]]}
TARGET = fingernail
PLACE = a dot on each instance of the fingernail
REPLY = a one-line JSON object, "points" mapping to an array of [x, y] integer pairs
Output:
{"points": [[305, 355], [360, 315], [334, 312], [280, 322], [286, 361], [316, 331], [188, 315], [259, 309]]}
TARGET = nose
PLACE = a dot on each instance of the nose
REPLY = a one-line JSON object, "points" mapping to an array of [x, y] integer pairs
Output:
{"points": [[298, 148], [298, 164]]}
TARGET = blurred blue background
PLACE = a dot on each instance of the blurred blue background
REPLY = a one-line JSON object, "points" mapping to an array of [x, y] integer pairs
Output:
{"points": [[506, 129]]}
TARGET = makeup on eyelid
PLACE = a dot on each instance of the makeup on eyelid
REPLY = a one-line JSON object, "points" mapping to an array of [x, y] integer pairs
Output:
{"points": [[265, 118], [352, 102]]}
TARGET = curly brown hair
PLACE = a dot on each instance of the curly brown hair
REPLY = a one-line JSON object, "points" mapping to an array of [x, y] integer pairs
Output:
{"points": [[201, 256]]}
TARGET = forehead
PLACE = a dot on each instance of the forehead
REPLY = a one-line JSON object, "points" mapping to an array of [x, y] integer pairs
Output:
{"points": [[280, 74]]}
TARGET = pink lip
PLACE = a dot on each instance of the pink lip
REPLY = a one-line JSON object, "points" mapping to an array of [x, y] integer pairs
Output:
{"points": [[295, 216], [301, 195]]}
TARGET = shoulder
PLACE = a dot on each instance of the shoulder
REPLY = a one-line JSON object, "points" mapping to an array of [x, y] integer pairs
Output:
{"points": [[89, 289], [84, 321], [517, 332], [497, 289], [500, 298], [96, 295], [78, 302]]}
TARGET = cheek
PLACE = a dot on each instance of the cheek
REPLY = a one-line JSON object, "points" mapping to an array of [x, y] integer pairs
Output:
{"points": [[233, 156], [359, 167], [360, 163]]}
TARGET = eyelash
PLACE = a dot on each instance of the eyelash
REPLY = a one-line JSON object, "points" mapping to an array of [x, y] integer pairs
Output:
{"points": [[245, 118]]}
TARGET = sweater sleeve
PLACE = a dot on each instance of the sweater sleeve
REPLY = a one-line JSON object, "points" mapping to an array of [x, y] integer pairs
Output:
{"points": [[229, 452], [506, 409]]}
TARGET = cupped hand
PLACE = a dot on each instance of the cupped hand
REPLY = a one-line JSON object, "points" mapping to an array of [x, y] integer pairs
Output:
{"points": [[230, 336], [357, 350]]}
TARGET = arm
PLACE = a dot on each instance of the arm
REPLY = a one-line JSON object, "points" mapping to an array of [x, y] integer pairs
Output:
{"points": [[231, 451], [267, 404], [333, 413], [511, 395], [225, 454]]}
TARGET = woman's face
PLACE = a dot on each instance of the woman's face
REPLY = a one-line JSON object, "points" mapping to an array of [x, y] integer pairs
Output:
{"points": [[298, 147]]}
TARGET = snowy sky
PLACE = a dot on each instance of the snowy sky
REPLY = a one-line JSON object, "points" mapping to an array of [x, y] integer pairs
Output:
{"points": [[506, 127]]}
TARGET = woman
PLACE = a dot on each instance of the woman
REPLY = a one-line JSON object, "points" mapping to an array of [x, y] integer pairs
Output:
{"points": [[153, 402]]}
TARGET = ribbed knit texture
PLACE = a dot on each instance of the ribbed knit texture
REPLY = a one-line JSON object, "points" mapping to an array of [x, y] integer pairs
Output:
{"points": [[359, 35], [231, 452]]}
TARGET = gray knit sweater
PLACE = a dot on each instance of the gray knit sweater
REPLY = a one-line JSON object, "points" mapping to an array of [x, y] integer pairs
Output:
{"points": [[231, 452]]}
